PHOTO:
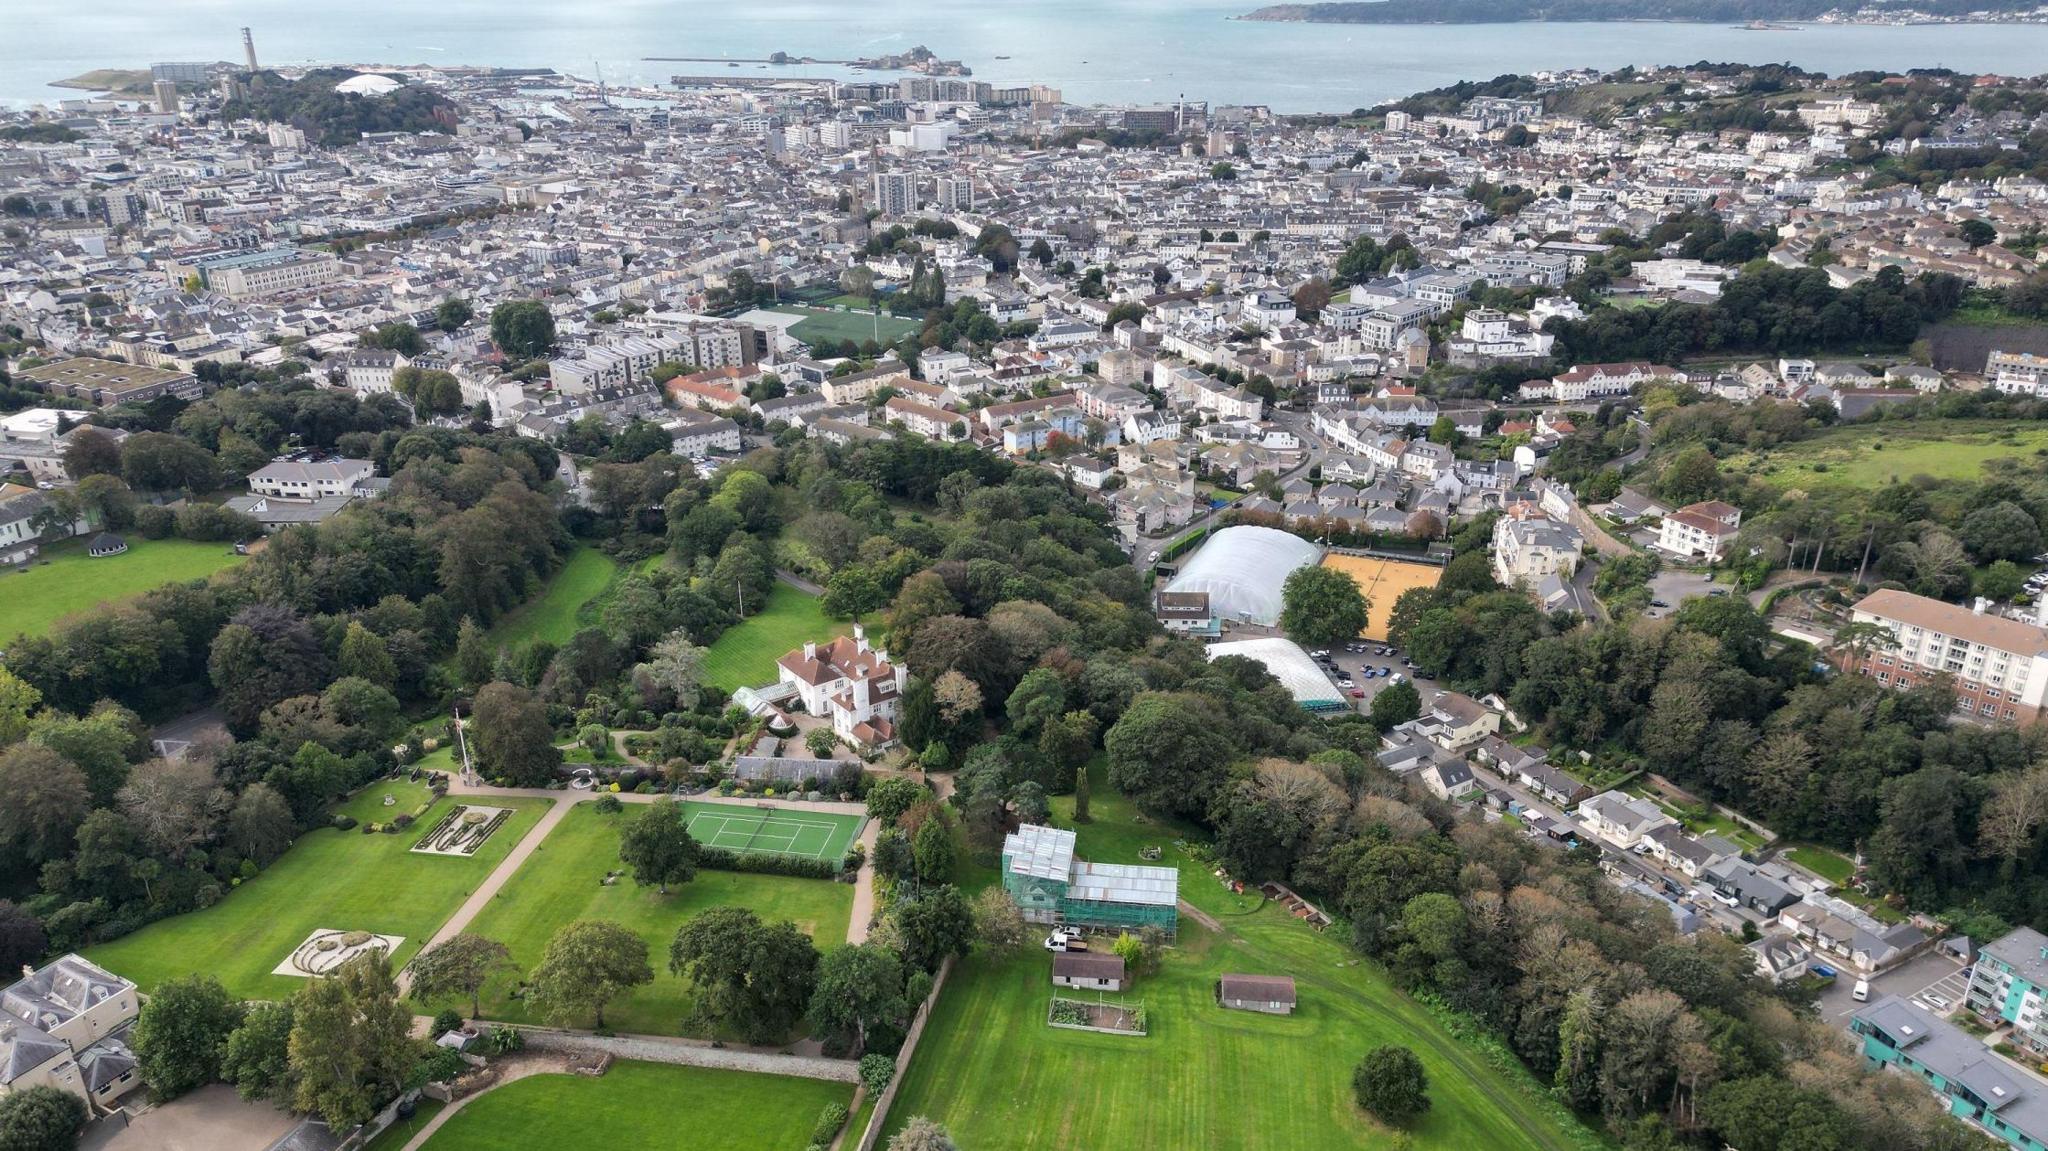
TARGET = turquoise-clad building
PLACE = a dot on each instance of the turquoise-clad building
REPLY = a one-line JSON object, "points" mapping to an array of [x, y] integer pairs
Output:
{"points": [[1977, 1085], [2010, 983], [1050, 886]]}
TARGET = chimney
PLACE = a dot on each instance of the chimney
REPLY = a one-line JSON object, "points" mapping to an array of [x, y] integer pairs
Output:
{"points": [[810, 650], [2041, 613], [860, 638], [1978, 605]]}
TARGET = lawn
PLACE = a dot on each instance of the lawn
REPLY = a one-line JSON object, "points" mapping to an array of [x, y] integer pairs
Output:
{"points": [[570, 602], [1832, 866], [65, 581], [637, 1106], [994, 1073], [820, 324], [745, 655], [1869, 456], [562, 883], [342, 880], [396, 1136]]}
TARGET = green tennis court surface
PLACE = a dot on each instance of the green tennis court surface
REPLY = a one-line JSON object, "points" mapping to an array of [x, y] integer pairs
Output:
{"points": [[770, 830]]}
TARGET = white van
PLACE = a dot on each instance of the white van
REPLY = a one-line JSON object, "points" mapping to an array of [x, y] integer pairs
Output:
{"points": [[1861, 992]]}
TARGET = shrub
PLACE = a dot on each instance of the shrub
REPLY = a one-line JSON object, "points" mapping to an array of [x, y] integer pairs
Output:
{"points": [[344, 822], [402, 819], [830, 1120], [371, 828], [1391, 1084], [801, 867], [608, 804], [446, 1020], [876, 1071], [499, 1040]]}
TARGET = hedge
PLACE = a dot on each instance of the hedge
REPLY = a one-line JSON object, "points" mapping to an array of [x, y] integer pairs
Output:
{"points": [[830, 1120], [800, 866]]}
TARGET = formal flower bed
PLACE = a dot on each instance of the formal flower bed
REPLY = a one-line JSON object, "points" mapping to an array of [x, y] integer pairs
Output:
{"points": [[462, 830]]}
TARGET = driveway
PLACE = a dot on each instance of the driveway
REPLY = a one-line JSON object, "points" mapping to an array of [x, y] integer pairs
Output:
{"points": [[1674, 586], [212, 1118], [1931, 972]]}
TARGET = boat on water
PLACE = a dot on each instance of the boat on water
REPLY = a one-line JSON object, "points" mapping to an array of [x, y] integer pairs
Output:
{"points": [[1002, 57]]}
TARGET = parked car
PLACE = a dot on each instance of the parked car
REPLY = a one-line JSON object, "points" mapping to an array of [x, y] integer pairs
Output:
{"points": [[1861, 992], [1346, 681], [1718, 591], [1726, 900], [1658, 603], [1397, 677], [1822, 970], [1065, 941], [1357, 693]]}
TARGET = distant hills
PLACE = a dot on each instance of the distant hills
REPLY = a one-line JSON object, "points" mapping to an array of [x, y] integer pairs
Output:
{"points": [[1698, 11]]}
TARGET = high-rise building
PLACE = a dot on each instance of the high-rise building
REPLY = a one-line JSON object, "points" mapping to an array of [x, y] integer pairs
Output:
{"points": [[249, 48], [182, 73], [835, 134], [896, 193], [166, 92], [956, 193]]}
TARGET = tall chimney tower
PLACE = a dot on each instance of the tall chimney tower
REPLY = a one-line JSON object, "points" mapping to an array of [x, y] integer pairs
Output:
{"points": [[249, 49]]}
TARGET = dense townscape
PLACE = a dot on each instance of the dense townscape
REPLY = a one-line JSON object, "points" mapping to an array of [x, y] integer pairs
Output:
{"points": [[1513, 618]]}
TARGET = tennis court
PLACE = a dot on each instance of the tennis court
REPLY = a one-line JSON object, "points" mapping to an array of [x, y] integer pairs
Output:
{"points": [[1383, 581], [770, 830]]}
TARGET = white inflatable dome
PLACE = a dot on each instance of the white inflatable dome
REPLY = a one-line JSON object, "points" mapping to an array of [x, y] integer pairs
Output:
{"points": [[1242, 568], [368, 84]]}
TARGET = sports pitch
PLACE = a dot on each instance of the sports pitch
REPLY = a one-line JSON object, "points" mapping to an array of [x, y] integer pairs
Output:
{"points": [[1383, 581], [769, 830]]}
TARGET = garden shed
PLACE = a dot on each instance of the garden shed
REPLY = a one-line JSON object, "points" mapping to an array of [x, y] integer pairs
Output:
{"points": [[1089, 970], [1272, 994]]}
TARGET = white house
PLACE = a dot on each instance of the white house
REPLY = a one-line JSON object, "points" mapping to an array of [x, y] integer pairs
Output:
{"points": [[1699, 530], [305, 480], [62, 1026], [853, 684], [1620, 818]]}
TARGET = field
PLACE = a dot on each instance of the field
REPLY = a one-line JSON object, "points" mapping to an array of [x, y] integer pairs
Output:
{"points": [[562, 883], [1383, 581], [745, 655], [821, 324], [343, 880], [1868, 456], [994, 1073], [558, 612], [812, 834], [72, 582], [636, 1106]]}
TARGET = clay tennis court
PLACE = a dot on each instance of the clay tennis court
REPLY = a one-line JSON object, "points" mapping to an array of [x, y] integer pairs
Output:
{"points": [[1383, 581]]}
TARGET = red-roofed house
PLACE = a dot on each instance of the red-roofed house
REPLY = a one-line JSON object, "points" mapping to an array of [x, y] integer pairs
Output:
{"points": [[1700, 530], [851, 683]]}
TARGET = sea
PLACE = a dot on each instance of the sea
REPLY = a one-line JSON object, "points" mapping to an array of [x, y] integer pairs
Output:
{"points": [[1094, 51]]}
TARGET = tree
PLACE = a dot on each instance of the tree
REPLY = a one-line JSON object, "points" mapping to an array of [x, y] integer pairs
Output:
{"points": [[1976, 233], [1222, 170], [753, 977], [179, 1033], [264, 655], [585, 966], [2001, 531], [852, 593], [159, 462], [22, 940], [523, 329], [658, 847], [260, 827], [452, 313], [474, 654], [2001, 581], [173, 804], [1395, 705], [1390, 1084], [891, 797], [461, 966], [921, 1134], [396, 336], [999, 926], [91, 452], [41, 1118], [933, 848], [351, 1046], [1322, 606], [513, 740], [859, 993], [364, 655], [48, 796], [257, 1058], [1768, 1113], [432, 391], [935, 924], [821, 742], [1311, 298], [677, 667], [1167, 753]]}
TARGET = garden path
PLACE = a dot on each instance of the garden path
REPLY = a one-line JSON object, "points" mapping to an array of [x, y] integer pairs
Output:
{"points": [[510, 1068]]}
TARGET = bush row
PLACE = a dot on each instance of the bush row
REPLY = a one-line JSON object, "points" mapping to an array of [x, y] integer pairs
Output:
{"points": [[802, 867]]}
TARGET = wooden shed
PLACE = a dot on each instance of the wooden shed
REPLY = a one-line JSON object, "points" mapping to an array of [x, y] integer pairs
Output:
{"points": [[1272, 994], [1095, 971]]}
